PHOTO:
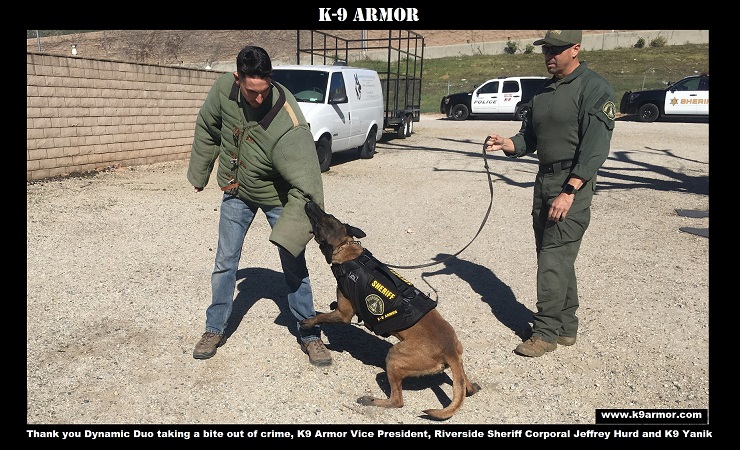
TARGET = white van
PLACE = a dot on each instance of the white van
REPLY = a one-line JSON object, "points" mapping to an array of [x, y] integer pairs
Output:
{"points": [[342, 104]]}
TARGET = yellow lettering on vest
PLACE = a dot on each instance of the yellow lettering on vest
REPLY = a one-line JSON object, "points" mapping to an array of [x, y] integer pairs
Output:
{"points": [[382, 290]]}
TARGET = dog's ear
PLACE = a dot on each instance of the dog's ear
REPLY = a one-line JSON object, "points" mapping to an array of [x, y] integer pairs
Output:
{"points": [[355, 232], [326, 250]]}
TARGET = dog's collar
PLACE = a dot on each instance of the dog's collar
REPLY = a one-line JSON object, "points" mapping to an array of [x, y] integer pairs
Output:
{"points": [[339, 249]]}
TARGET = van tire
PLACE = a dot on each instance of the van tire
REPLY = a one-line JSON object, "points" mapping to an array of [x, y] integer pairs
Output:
{"points": [[367, 150], [323, 150]]}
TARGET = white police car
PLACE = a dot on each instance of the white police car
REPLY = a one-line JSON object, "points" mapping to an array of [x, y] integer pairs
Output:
{"points": [[686, 98], [498, 97]]}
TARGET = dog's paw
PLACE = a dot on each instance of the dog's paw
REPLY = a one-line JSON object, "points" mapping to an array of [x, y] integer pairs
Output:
{"points": [[366, 400]]}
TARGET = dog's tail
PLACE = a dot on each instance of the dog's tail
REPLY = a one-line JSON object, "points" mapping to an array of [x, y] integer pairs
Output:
{"points": [[459, 390]]}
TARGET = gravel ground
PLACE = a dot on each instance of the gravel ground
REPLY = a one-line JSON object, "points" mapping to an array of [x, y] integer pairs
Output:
{"points": [[118, 280]]}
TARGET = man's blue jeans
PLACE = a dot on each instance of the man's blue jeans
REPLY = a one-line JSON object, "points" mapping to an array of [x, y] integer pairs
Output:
{"points": [[235, 219]]}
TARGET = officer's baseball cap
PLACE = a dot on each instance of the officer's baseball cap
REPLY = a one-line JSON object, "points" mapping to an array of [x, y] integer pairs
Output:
{"points": [[560, 37]]}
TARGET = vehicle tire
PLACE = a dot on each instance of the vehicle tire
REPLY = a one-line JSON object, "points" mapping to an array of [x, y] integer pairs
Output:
{"points": [[410, 128], [648, 112], [367, 150], [323, 150], [459, 112], [521, 111], [402, 127]]}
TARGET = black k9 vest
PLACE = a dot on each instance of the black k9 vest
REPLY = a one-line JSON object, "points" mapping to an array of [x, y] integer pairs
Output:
{"points": [[383, 299]]}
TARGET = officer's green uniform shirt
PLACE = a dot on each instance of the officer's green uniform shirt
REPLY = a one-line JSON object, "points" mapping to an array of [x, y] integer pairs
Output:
{"points": [[570, 119]]}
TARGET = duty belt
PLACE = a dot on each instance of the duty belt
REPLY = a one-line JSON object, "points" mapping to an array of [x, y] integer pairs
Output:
{"points": [[556, 167]]}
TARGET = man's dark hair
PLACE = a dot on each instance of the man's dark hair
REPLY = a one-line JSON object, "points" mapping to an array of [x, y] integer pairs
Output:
{"points": [[253, 62]]}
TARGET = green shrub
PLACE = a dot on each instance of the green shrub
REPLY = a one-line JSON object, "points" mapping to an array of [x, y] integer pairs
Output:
{"points": [[640, 43], [529, 49], [659, 41], [511, 47]]}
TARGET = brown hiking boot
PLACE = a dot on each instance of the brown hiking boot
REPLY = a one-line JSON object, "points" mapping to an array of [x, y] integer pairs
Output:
{"points": [[535, 347], [318, 354], [566, 340], [207, 345]]}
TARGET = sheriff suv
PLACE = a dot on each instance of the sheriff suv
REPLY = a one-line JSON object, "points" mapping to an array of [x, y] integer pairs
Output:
{"points": [[686, 98], [498, 97]]}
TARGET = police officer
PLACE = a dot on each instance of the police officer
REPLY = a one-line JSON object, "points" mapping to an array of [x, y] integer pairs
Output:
{"points": [[569, 124]]}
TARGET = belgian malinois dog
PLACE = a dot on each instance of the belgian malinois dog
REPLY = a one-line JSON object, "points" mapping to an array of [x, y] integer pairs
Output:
{"points": [[388, 305]]}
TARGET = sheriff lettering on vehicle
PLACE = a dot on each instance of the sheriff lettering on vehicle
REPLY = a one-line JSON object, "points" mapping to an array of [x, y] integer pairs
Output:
{"points": [[686, 98]]}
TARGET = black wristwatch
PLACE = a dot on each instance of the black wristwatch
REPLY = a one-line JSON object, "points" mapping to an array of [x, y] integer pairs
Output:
{"points": [[569, 189]]}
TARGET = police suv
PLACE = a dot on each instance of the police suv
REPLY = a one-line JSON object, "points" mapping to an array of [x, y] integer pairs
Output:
{"points": [[502, 97], [686, 98]]}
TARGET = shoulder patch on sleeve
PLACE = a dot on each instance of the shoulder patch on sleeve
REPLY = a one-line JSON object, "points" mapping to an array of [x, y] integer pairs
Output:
{"points": [[605, 110], [610, 110]]}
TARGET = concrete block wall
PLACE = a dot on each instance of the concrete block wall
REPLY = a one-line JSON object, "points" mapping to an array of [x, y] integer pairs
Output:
{"points": [[84, 115]]}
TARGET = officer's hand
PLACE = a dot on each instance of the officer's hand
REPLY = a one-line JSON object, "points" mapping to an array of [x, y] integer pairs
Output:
{"points": [[492, 143], [495, 142], [560, 207]]}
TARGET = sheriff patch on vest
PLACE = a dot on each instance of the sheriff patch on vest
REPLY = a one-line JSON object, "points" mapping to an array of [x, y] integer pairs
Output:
{"points": [[385, 301]]}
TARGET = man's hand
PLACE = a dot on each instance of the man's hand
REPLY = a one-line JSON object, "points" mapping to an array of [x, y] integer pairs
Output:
{"points": [[562, 203], [560, 207], [494, 143]]}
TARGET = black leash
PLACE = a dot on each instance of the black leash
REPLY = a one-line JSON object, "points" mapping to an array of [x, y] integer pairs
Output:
{"points": [[485, 219]]}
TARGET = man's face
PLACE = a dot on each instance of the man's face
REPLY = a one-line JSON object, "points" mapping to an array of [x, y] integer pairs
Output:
{"points": [[254, 90], [560, 60]]}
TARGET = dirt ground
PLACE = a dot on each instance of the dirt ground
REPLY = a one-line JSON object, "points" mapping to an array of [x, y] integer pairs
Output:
{"points": [[118, 280]]}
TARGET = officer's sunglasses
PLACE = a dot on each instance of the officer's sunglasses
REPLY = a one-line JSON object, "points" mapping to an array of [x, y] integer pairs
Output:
{"points": [[556, 49]]}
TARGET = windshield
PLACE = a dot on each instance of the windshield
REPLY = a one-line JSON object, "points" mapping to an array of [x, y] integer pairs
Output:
{"points": [[305, 85]]}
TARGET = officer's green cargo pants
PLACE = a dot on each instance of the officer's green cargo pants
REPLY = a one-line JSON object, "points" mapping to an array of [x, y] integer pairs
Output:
{"points": [[557, 245]]}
